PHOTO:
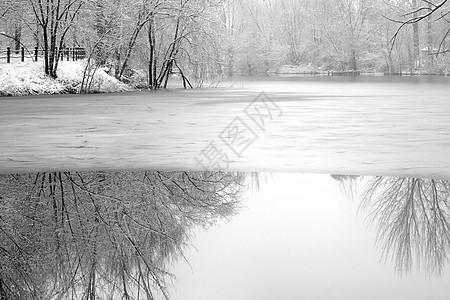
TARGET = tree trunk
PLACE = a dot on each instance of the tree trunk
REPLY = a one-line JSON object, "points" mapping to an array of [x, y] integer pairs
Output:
{"points": [[411, 60], [168, 59], [17, 37], [389, 61], [230, 61], [53, 56], [3, 294], [117, 61], [130, 48], [100, 55], [46, 51], [391, 64], [353, 62], [168, 71], [118, 48], [430, 60], [152, 56], [36, 35], [416, 41]]}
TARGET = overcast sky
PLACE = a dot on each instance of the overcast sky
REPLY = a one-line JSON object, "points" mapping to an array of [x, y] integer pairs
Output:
{"points": [[298, 238]]}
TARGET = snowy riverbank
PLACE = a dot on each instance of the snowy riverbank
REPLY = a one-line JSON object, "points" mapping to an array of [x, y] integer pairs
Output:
{"points": [[21, 79]]}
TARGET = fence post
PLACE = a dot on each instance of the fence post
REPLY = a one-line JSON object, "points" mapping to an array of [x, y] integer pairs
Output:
{"points": [[35, 53], [73, 53], [8, 55], [22, 54]]}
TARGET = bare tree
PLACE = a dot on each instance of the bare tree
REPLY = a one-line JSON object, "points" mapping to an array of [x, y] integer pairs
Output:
{"points": [[413, 220], [54, 18], [422, 13]]}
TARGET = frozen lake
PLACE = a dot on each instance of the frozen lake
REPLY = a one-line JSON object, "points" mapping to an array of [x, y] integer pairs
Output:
{"points": [[395, 126]]}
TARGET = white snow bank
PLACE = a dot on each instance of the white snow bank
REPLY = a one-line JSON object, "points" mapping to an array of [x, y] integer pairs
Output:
{"points": [[27, 78]]}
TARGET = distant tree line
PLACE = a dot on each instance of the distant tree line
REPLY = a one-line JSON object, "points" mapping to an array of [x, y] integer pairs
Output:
{"points": [[148, 40], [339, 35]]}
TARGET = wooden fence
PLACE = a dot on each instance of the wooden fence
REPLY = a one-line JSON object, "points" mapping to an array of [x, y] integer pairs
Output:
{"points": [[10, 55]]}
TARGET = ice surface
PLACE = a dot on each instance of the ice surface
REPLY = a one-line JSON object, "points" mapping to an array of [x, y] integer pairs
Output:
{"points": [[370, 128]]}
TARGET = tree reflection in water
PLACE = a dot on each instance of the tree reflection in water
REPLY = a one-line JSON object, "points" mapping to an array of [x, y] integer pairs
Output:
{"points": [[412, 220], [93, 235], [71, 235]]}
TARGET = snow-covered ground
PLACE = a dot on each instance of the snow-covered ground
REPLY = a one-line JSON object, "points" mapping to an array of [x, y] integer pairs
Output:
{"points": [[28, 78], [371, 128]]}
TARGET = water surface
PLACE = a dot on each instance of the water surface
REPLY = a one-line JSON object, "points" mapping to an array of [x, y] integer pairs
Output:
{"points": [[340, 125]]}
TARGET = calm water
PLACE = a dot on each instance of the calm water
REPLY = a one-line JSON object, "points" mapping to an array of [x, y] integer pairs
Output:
{"points": [[300, 237]]}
